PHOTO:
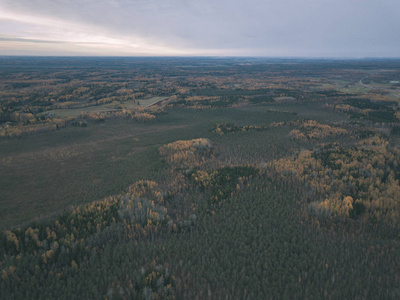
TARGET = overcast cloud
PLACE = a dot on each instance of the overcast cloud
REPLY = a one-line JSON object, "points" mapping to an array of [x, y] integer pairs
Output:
{"points": [[327, 28]]}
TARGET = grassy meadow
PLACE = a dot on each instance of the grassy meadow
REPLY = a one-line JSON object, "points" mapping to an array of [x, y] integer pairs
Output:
{"points": [[48, 172]]}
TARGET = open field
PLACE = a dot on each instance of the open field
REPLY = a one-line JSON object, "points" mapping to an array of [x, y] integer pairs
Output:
{"points": [[76, 165], [76, 112], [150, 101]]}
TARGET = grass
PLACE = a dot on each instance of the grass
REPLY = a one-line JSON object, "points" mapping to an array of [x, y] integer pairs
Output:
{"points": [[143, 102], [45, 173], [150, 101], [44, 179], [75, 112]]}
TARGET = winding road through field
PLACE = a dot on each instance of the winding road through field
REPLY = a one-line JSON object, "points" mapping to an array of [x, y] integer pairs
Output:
{"points": [[363, 84], [373, 88]]}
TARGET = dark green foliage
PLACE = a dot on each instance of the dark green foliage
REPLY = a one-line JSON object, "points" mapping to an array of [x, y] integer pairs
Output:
{"points": [[332, 93], [363, 103], [261, 99], [230, 92], [79, 123], [227, 127], [328, 154], [238, 252], [382, 116], [363, 134], [222, 182], [395, 130], [358, 209], [224, 101]]}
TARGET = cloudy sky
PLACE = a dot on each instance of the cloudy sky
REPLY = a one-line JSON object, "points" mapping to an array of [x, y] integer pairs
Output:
{"points": [[299, 28]]}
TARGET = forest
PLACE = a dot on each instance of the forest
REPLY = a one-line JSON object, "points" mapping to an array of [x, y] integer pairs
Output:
{"points": [[199, 178]]}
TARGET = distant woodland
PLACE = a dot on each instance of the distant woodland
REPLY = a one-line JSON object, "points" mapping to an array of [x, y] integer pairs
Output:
{"points": [[199, 178]]}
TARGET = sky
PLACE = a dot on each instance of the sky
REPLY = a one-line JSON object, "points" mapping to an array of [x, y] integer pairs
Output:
{"points": [[268, 28]]}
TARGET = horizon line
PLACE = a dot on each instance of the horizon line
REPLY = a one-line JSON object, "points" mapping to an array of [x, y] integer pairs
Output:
{"points": [[201, 56]]}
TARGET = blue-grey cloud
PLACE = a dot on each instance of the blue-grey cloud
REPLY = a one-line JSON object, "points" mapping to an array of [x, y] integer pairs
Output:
{"points": [[21, 40], [253, 27]]}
